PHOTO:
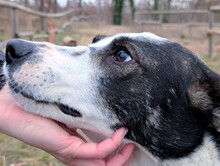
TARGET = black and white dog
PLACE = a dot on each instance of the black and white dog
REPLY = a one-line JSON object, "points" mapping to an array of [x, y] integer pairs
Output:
{"points": [[166, 97]]}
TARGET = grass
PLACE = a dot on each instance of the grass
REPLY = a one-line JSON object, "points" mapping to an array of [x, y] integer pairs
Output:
{"points": [[17, 153], [212, 62]]}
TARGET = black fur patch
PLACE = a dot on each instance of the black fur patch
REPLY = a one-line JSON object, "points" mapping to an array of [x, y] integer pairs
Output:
{"points": [[98, 38], [157, 87]]}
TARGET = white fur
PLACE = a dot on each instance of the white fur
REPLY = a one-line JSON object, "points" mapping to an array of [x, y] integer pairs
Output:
{"points": [[145, 35]]}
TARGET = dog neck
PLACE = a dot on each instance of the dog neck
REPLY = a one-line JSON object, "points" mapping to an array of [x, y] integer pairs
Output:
{"points": [[206, 154]]}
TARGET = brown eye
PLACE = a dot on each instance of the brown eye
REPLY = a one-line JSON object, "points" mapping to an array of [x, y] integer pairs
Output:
{"points": [[122, 56]]}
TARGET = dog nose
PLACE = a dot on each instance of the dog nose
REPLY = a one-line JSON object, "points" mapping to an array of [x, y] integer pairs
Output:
{"points": [[17, 48]]}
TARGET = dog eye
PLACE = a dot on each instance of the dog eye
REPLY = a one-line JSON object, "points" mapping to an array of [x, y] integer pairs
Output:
{"points": [[122, 56]]}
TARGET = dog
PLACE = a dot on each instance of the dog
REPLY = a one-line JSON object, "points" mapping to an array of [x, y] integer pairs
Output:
{"points": [[167, 98]]}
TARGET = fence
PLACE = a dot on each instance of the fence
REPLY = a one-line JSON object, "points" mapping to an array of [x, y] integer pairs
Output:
{"points": [[47, 20], [158, 17]]}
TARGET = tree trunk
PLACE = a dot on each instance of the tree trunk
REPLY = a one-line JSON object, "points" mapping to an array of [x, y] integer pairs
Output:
{"points": [[132, 9], [26, 3], [117, 12], [166, 16], [80, 7], [43, 21], [156, 7], [55, 5]]}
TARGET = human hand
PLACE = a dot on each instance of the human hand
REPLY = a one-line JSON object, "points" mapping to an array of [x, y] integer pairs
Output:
{"points": [[48, 135]]}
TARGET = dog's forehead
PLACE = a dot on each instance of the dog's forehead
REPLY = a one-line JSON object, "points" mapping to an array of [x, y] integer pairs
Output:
{"points": [[145, 36]]}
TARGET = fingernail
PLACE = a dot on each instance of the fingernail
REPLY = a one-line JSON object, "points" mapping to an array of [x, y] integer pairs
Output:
{"points": [[124, 131], [132, 146]]}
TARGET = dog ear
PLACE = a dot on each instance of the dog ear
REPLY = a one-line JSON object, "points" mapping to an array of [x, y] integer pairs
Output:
{"points": [[204, 92], [216, 119], [98, 38], [2, 77]]}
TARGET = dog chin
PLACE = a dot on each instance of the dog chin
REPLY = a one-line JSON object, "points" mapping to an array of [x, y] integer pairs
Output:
{"points": [[89, 132]]}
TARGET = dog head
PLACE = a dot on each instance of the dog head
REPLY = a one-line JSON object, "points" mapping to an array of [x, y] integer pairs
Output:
{"points": [[158, 90]]}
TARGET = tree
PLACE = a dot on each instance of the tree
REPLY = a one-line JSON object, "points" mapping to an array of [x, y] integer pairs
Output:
{"points": [[55, 5], [42, 9], [80, 7], [156, 7], [26, 3], [166, 16], [118, 8], [117, 12], [132, 9]]}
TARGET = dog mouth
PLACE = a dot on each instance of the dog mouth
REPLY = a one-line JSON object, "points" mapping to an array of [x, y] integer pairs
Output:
{"points": [[16, 89], [85, 134], [69, 111]]}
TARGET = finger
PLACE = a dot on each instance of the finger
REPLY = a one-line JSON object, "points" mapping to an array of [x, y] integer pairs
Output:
{"points": [[124, 157], [101, 150]]}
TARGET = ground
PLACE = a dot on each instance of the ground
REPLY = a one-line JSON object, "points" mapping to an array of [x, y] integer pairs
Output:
{"points": [[16, 153]]}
